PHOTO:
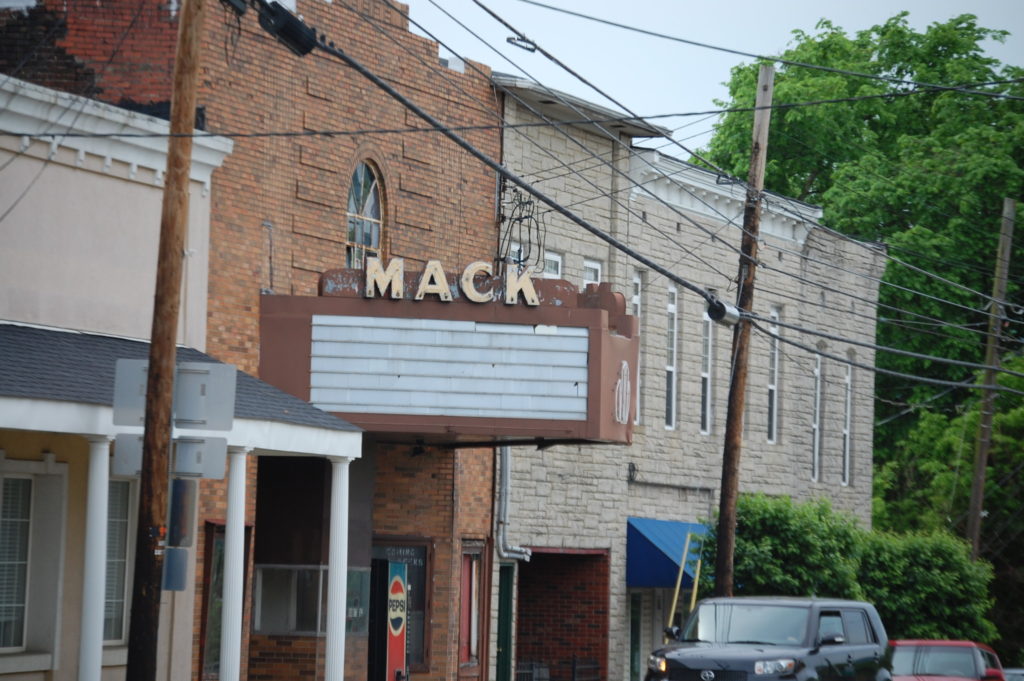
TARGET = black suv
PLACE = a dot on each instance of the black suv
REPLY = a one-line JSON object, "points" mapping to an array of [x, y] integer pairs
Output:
{"points": [[735, 639]]}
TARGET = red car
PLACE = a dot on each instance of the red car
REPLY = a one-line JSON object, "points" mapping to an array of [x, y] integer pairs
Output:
{"points": [[944, 660]]}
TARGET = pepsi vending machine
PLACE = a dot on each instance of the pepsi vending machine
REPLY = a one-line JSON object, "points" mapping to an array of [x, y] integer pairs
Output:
{"points": [[398, 618], [389, 621]]}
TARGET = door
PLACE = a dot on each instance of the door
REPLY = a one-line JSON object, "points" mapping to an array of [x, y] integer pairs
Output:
{"points": [[506, 582], [835, 663], [864, 651]]}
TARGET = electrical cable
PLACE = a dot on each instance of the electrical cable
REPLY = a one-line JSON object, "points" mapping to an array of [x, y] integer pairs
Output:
{"points": [[881, 348], [780, 60], [603, 193], [328, 47], [710, 298], [46, 162], [610, 135], [881, 370], [522, 37]]}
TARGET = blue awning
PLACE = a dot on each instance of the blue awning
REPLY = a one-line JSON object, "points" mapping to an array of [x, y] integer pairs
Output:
{"points": [[654, 549]]}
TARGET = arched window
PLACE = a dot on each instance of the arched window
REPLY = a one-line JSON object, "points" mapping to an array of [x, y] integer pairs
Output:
{"points": [[364, 217]]}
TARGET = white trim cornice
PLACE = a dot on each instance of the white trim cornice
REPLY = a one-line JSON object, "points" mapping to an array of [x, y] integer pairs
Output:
{"points": [[696, 190], [35, 112]]}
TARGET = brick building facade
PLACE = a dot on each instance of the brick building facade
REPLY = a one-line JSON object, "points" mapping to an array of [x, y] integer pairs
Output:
{"points": [[280, 209]]}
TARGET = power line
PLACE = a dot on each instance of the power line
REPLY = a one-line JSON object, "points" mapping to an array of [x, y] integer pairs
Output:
{"points": [[522, 37], [561, 129], [46, 162], [329, 48], [877, 369], [881, 348], [780, 60]]}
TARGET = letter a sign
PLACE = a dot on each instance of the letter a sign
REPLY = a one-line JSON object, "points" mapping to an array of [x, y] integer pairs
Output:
{"points": [[398, 618]]}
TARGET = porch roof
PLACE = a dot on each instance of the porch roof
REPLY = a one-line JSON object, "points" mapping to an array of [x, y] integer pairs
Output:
{"points": [[57, 380]]}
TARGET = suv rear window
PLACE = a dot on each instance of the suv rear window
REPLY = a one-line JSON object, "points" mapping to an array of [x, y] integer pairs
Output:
{"points": [[935, 660]]}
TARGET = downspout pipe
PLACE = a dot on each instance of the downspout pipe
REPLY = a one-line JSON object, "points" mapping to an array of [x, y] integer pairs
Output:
{"points": [[505, 551]]}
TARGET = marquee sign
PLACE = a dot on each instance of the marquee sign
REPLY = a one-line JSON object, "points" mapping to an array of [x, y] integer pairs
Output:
{"points": [[472, 358]]}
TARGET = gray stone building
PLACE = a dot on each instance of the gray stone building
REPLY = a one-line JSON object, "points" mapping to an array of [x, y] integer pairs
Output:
{"points": [[603, 525]]}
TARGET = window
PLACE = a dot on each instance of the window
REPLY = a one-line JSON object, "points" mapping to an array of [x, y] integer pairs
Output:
{"points": [[469, 606], [364, 217], [772, 425], [847, 417], [119, 516], [671, 341], [591, 272], [515, 253], [636, 309], [552, 265], [291, 599], [707, 359], [33, 505], [816, 421], [858, 631], [15, 520], [830, 624]]}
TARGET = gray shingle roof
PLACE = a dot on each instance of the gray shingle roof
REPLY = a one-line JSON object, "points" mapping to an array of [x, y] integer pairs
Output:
{"points": [[51, 364]]}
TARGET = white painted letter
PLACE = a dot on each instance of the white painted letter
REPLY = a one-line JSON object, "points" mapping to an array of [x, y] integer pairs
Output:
{"points": [[515, 283], [434, 281], [378, 278], [467, 282]]}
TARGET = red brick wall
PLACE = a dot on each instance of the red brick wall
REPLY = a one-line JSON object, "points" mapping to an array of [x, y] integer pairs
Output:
{"points": [[563, 611], [114, 51], [279, 200], [285, 657]]}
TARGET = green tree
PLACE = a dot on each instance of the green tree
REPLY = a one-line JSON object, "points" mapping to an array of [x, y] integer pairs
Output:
{"points": [[923, 170], [790, 549], [926, 486], [925, 585]]}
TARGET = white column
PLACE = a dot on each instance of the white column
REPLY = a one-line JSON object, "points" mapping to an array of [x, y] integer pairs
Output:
{"points": [[94, 569], [234, 569], [337, 572]]}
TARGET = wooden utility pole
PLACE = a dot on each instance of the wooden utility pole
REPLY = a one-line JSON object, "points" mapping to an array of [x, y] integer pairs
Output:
{"points": [[988, 398], [156, 443], [741, 338]]}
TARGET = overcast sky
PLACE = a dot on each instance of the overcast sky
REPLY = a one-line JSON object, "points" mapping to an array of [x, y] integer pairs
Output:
{"points": [[654, 76]]}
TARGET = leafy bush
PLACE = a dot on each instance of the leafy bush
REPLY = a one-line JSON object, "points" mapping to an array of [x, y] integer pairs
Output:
{"points": [[924, 584]]}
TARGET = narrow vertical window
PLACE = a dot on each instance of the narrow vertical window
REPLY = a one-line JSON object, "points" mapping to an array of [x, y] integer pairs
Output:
{"points": [[771, 428], [15, 516], [365, 223], [469, 608], [591, 272], [671, 342], [636, 309], [707, 359], [847, 418], [552, 265], [118, 520], [816, 421]]}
